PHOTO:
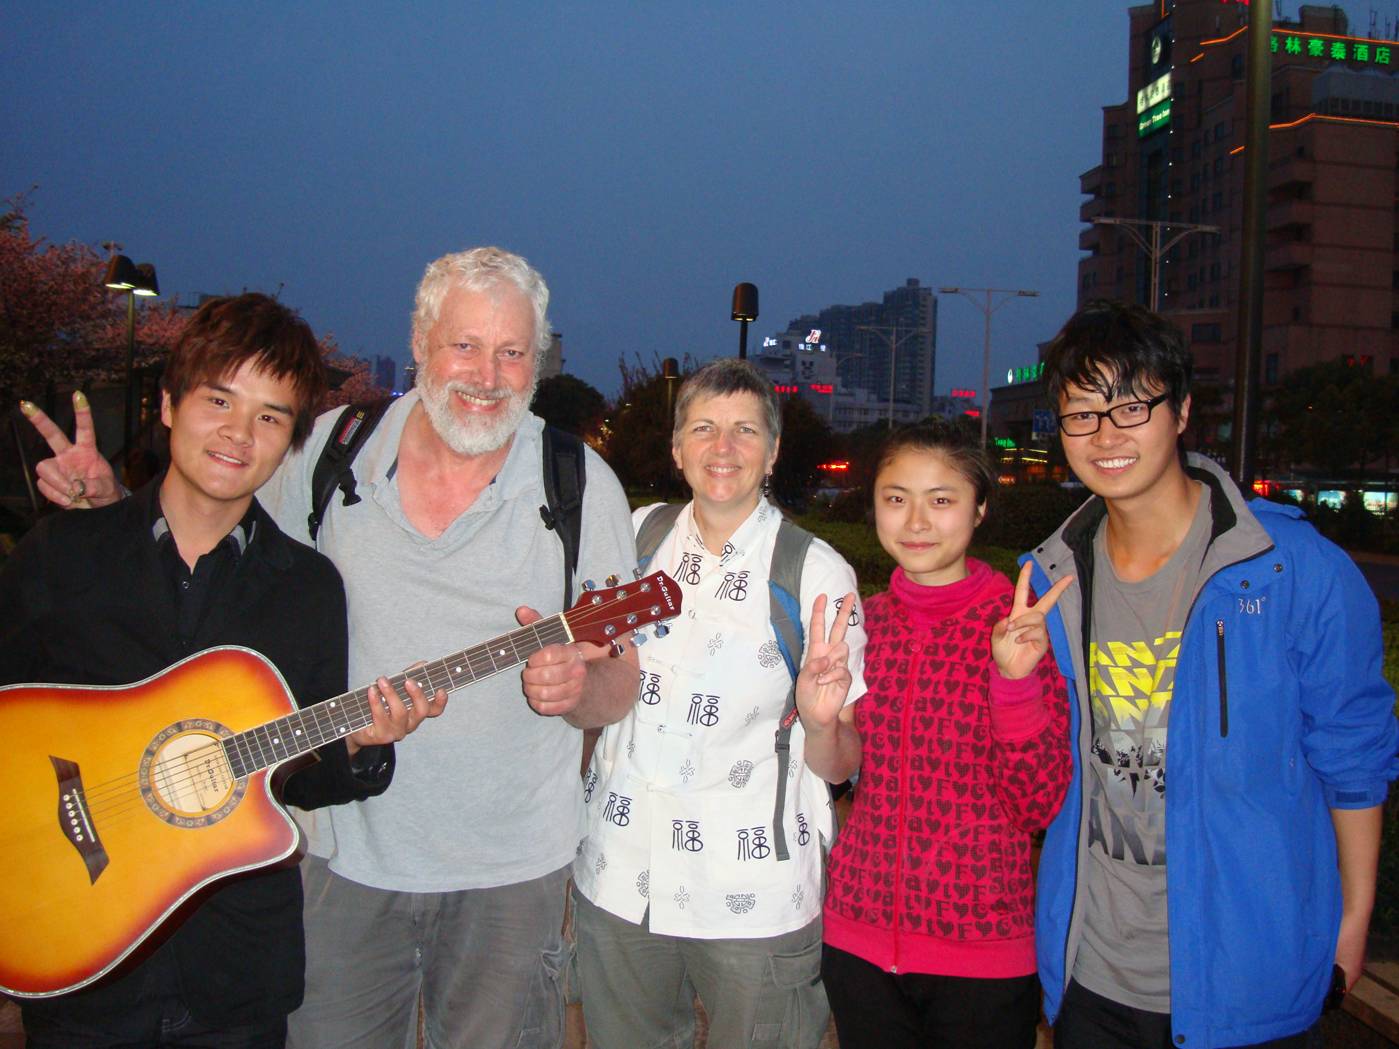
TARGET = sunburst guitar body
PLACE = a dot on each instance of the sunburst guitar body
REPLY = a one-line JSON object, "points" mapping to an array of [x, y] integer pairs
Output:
{"points": [[123, 802]]}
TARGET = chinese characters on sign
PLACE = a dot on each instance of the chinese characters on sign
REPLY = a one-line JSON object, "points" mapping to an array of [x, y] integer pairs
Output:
{"points": [[1368, 52]]}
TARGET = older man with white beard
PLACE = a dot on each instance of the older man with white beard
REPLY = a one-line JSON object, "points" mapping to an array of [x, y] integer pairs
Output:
{"points": [[452, 883], [455, 885]]}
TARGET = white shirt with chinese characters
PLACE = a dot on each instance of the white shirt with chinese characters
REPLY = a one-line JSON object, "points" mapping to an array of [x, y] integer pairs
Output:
{"points": [[680, 795]]}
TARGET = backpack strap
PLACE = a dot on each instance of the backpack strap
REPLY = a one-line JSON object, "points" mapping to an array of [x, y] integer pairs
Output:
{"points": [[653, 530], [334, 466], [784, 609], [565, 476]]}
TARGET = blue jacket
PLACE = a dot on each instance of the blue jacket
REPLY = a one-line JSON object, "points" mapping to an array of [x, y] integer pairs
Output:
{"points": [[1280, 713]]}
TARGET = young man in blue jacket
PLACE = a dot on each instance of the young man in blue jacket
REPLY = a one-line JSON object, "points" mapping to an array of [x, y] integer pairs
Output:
{"points": [[1199, 894]]}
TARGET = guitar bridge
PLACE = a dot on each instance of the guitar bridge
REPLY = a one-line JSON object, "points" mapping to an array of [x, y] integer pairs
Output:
{"points": [[75, 821]]}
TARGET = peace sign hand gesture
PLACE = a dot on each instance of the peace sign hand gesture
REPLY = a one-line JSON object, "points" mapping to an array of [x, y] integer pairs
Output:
{"points": [[76, 475], [824, 681], [1019, 641]]}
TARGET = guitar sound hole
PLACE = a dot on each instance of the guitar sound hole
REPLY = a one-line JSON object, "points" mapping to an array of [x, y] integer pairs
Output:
{"points": [[189, 776]]}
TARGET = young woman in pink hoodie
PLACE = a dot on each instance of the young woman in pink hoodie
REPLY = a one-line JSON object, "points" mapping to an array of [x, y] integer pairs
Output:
{"points": [[962, 749]]}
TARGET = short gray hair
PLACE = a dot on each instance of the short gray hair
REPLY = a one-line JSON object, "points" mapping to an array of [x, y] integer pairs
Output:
{"points": [[482, 269], [725, 376]]}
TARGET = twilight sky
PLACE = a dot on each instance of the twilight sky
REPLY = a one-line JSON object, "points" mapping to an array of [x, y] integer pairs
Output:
{"points": [[645, 157]]}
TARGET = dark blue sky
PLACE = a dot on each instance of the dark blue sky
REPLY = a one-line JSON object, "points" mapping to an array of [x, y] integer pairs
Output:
{"points": [[645, 157]]}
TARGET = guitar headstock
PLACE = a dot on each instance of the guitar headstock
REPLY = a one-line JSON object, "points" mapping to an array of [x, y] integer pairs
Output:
{"points": [[605, 616]]}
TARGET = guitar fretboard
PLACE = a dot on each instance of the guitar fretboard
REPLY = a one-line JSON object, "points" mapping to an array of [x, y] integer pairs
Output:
{"points": [[296, 734]]}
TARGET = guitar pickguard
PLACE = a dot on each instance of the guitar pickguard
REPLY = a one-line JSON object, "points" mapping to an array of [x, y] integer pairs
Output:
{"points": [[184, 774]]}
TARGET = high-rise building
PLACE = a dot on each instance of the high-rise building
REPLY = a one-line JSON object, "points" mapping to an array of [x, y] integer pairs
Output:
{"points": [[840, 358], [385, 370], [1174, 152], [553, 357]]}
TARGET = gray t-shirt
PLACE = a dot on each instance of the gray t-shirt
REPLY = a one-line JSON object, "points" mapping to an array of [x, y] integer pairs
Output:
{"points": [[1124, 953], [489, 793]]}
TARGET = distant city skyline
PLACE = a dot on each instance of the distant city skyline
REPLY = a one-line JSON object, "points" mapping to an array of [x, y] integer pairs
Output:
{"points": [[645, 159]]}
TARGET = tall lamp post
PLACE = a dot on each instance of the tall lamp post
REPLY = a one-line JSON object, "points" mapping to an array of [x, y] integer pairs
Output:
{"points": [[892, 336], [124, 275], [745, 309], [988, 309]]}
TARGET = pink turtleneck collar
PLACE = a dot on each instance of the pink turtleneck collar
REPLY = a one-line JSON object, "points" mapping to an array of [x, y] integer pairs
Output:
{"points": [[930, 604]]}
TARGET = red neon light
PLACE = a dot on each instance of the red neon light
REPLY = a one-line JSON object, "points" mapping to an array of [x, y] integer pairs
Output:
{"points": [[821, 387], [975, 413], [836, 466]]}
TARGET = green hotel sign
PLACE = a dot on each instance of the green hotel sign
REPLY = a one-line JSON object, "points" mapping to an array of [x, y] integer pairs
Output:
{"points": [[1028, 373], [1333, 49], [1154, 119]]}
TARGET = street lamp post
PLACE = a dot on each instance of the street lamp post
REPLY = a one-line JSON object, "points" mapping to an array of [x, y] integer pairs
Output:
{"points": [[987, 310], [891, 334], [125, 276], [745, 309], [1151, 244]]}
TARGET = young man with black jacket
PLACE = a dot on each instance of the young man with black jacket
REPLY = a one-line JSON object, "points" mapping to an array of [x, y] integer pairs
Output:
{"points": [[191, 561]]}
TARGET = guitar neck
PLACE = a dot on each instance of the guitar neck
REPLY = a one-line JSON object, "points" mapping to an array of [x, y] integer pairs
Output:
{"points": [[299, 733]]}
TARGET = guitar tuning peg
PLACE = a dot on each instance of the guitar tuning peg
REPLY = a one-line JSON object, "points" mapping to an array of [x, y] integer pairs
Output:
{"points": [[618, 648], [613, 580], [588, 584], [640, 638], [662, 630], [636, 573]]}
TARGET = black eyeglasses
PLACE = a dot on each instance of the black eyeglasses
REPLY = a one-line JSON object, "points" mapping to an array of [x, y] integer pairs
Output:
{"points": [[1123, 416]]}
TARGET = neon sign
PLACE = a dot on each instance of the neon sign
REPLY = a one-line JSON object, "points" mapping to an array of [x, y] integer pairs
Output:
{"points": [[821, 387], [1154, 93], [1154, 119], [1029, 373], [769, 342], [969, 394], [1333, 49], [813, 337], [779, 387]]}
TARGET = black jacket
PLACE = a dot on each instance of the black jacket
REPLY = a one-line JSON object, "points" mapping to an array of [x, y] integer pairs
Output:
{"points": [[85, 599]]}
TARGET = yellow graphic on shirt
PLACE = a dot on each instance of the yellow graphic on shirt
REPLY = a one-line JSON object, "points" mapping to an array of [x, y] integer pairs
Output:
{"points": [[1127, 680], [1130, 685]]}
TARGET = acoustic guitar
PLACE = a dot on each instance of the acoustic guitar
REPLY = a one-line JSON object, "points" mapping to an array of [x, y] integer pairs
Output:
{"points": [[122, 802]]}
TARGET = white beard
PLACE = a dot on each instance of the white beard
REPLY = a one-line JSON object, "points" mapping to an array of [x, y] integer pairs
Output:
{"points": [[469, 435]]}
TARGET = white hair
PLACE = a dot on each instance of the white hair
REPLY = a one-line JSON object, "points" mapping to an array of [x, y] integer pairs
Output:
{"points": [[482, 269]]}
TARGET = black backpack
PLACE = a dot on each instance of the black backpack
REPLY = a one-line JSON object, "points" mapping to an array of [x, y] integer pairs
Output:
{"points": [[564, 479]]}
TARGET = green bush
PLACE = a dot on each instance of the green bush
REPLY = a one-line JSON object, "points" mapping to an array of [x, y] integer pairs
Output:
{"points": [[1023, 515]]}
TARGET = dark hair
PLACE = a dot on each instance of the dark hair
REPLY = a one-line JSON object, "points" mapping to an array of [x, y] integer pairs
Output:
{"points": [[1118, 350], [725, 376], [229, 331], [946, 438]]}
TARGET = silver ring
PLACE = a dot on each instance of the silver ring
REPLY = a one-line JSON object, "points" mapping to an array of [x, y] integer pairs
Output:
{"points": [[79, 487]]}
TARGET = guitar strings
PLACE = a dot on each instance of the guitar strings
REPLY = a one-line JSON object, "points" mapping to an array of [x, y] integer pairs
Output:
{"points": [[116, 798], [357, 703]]}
